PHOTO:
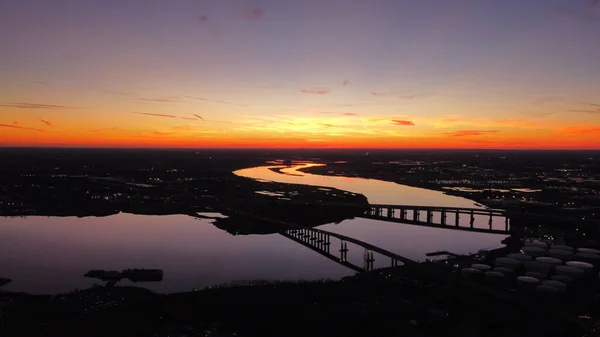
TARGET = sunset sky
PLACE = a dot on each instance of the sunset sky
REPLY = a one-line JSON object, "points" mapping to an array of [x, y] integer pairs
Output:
{"points": [[300, 73]]}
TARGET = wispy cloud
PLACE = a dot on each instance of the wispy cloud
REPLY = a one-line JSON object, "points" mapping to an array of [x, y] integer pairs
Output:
{"points": [[467, 133], [116, 92], [43, 121], [349, 114], [20, 127], [316, 91], [403, 122], [415, 95], [154, 114], [381, 93], [35, 106], [253, 14], [215, 101], [114, 128], [159, 100], [539, 114], [189, 118], [40, 82], [597, 111], [346, 83], [198, 116], [547, 99], [594, 110], [591, 104]]}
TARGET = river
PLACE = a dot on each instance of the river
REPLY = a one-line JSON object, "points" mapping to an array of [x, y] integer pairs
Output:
{"points": [[50, 254]]}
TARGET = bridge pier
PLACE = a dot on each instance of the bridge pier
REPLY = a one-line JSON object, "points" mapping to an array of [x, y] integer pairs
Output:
{"points": [[416, 214], [402, 214], [369, 259], [390, 213], [457, 219], [472, 219], [443, 217], [491, 221], [429, 216], [506, 224], [344, 250]]}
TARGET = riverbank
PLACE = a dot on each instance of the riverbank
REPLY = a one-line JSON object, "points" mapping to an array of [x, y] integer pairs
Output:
{"points": [[511, 196]]}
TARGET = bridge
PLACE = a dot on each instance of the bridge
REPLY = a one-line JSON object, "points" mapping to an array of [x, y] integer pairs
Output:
{"points": [[321, 241], [482, 220], [477, 219]]}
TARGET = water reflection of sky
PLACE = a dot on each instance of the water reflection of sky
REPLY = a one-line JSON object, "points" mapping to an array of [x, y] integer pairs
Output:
{"points": [[406, 240], [377, 191], [50, 254]]}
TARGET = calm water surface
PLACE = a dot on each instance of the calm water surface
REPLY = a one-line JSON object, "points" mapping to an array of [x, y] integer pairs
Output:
{"points": [[50, 254]]}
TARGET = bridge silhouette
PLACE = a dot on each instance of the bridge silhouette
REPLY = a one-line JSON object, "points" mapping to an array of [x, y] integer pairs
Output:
{"points": [[479, 220], [321, 242]]}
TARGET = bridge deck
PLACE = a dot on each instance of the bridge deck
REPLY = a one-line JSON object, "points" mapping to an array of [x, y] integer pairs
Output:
{"points": [[324, 253], [335, 235], [435, 225]]}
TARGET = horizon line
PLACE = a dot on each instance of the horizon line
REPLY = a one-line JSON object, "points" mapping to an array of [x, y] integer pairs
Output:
{"points": [[296, 148]]}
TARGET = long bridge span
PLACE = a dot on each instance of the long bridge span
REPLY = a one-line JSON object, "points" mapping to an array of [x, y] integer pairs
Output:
{"points": [[321, 241], [482, 220], [459, 218]]}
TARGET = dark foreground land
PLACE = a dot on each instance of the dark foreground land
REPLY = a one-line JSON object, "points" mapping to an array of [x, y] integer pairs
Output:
{"points": [[394, 302]]}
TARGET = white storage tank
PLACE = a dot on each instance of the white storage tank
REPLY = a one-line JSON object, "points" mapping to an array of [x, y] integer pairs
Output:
{"points": [[572, 272], [537, 266], [543, 289], [562, 287], [505, 271], [563, 255], [562, 247], [561, 278], [527, 282], [588, 257], [539, 276], [520, 257], [533, 251], [587, 267], [508, 262], [471, 273], [588, 250], [538, 244], [482, 267], [549, 260], [494, 277]]}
